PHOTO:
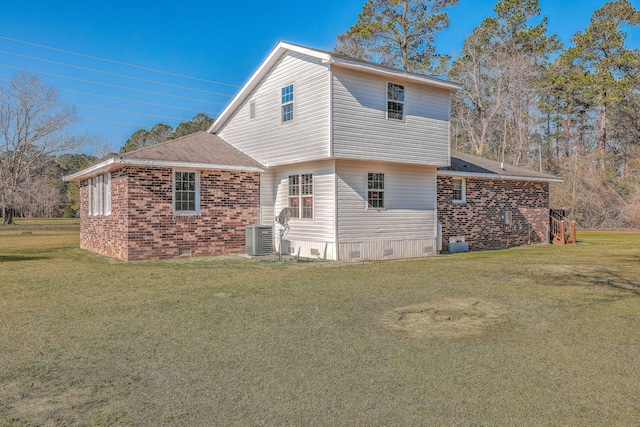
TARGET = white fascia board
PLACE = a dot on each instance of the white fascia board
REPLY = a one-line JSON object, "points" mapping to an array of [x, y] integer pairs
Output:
{"points": [[497, 176], [267, 65], [188, 165], [114, 162], [388, 72], [96, 169]]}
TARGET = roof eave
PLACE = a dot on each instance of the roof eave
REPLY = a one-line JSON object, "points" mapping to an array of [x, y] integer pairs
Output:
{"points": [[113, 163], [499, 176], [375, 69]]}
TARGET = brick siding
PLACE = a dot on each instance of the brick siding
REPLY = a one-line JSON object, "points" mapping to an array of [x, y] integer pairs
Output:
{"points": [[479, 218], [142, 225]]}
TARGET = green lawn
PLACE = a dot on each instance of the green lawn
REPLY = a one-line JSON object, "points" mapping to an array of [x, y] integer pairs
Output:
{"points": [[539, 335]]}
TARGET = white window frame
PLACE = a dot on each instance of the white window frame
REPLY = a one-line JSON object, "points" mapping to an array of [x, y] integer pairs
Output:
{"points": [[298, 193], [99, 195], [392, 100], [286, 103], [376, 190], [463, 190], [107, 194], [196, 211]]}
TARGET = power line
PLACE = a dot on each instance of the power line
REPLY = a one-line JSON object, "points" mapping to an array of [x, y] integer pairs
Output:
{"points": [[113, 122], [64, 64], [127, 100], [110, 85], [131, 112], [117, 62]]}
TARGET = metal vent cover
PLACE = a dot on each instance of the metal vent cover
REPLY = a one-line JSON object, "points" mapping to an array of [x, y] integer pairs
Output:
{"points": [[259, 240]]}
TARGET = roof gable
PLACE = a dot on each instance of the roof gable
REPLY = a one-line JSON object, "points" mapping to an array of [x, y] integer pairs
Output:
{"points": [[282, 48]]}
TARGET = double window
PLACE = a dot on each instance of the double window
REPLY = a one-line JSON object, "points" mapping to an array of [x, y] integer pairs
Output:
{"points": [[375, 190], [99, 195], [301, 195], [395, 101], [186, 192], [287, 103]]}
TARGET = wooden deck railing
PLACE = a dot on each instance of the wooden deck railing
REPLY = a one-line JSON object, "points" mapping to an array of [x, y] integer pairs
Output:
{"points": [[563, 231]]}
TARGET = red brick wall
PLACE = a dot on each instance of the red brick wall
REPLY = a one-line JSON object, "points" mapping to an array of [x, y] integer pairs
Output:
{"points": [[105, 235], [143, 225], [479, 218]]}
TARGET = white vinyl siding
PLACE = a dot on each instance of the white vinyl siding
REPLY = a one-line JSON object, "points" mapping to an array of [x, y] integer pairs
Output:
{"points": [[267, 199], [410, 203], [361, 129], [266, 138], [320, 228]]}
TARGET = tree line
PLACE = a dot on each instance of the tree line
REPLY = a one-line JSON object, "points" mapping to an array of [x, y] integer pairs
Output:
{"points": [[573, 111], [36, 149], [526, 99]]}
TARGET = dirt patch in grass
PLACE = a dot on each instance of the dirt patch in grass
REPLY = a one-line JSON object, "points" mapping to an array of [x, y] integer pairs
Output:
{"points": [[44, 410], [446, 318]]}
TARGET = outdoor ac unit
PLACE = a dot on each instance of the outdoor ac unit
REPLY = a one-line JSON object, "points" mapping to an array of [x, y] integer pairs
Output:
{"points": [[259, 240]]}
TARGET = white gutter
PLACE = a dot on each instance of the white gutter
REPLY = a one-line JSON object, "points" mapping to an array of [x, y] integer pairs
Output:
{"points": [[376, 69], [498, 176], [114, 162]]}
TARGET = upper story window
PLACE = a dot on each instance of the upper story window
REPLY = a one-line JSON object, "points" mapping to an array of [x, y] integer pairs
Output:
{"points": [[99, 195], [395, 101], [252, 109], [287, 103], [375, 190], [301, 195], [186, 189], [459, 190]]}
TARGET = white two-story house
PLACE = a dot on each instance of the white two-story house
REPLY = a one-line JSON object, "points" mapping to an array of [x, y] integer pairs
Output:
{"points": [[352, 148]]}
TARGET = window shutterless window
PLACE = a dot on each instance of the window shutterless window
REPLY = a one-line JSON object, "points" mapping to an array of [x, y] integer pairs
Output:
{"points": [[395, 101], [99, 195], [375, 192], [287, 103], [459, 190], [185, 192], [301, 196]]}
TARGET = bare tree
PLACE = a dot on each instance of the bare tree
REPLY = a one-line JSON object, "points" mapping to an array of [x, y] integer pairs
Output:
{"points": [[33, 125]]}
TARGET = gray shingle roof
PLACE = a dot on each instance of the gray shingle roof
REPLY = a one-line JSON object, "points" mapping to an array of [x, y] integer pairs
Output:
{"points": [[200, 147], [200, 150], [476, 165]]}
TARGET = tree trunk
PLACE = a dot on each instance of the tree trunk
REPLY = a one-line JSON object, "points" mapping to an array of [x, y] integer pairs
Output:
{"points": [[602, 141]]}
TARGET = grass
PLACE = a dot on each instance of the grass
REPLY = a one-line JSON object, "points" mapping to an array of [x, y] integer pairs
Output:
{"points": [[87, 340]]}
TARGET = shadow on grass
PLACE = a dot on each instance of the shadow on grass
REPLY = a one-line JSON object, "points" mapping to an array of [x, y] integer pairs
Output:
{"points": [[18, 258]]}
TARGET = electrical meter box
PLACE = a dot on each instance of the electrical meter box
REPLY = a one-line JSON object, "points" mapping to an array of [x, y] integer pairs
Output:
{"points": [[505, 217]]}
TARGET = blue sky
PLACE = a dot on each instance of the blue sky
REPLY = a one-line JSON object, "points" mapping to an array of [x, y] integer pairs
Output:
{"points": [[221, 42]]}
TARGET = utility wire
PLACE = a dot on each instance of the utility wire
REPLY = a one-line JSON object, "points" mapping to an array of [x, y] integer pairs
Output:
{"points": [[34, 58], [114, 122], [110, 85], [117, 62], [131, 112], [127, 99]]}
